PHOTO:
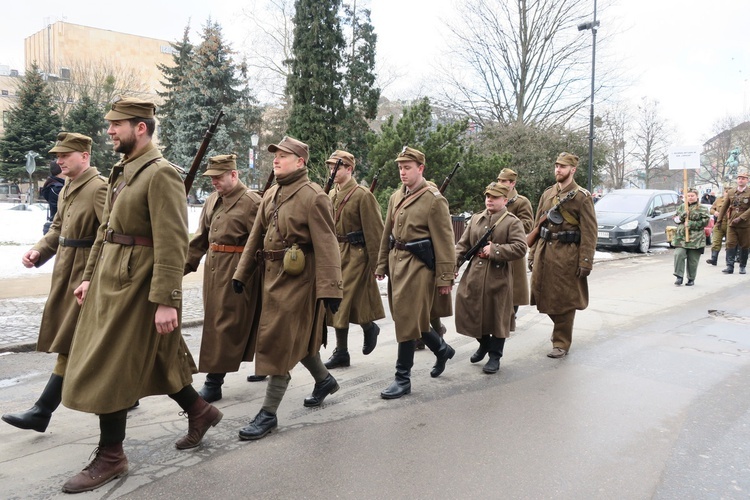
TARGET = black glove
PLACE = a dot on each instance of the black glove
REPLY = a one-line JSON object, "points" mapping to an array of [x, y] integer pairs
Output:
{"points": [[332, 304], [238, 286]]}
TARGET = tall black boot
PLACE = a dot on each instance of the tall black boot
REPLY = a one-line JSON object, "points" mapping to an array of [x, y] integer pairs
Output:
{"points": [[211, 390], [731, 257], [743, 259], [38, 416], [714, 258], [481, 351], [340, 357], [496, 352], [402, 383], [442, 351]]}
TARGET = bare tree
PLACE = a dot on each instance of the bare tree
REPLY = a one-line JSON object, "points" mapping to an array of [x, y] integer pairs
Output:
{"points": [[730, 134], [615, 121], [651, 138]]}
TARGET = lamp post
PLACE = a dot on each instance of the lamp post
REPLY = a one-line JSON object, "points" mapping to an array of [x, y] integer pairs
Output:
{"points": [[592, 25], [253, 156]]}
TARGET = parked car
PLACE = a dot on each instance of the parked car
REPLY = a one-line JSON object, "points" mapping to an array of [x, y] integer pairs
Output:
{"points": [[635, 218]]}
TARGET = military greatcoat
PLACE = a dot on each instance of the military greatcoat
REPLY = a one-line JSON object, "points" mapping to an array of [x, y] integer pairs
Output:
{"points": [[520, 206], [79, 214], [229, 318], [356, 209], [737, 205], [555, 286], [411, 285], [484, 301], [292, 319], [117, 356]]}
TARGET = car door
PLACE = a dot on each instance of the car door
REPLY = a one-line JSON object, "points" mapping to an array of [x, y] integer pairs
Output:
{"points": [[664, 213]]}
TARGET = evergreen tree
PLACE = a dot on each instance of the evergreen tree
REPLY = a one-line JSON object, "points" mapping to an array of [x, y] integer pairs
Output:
{"points": [[174, 85], [314, 81], [32, 125], [87, 117]]}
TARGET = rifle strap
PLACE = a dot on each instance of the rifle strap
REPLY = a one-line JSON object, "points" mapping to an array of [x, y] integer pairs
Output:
{"points": [[340, 208], [569, 218], [407, 201]]}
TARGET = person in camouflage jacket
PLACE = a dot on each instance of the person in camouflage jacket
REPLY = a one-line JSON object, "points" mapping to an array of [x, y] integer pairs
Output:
{"points": [[695, 217]]}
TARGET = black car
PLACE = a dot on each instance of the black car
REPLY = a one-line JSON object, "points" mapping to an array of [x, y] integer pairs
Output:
{"points": [[635, 218]]}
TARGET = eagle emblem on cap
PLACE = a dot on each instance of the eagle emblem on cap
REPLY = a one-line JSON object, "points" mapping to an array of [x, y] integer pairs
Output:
{"points": [[404, 150]]}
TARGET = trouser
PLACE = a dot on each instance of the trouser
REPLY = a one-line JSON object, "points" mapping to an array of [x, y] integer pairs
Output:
{"points": [[277, 384], [738, 237], [718, 233], [562, 331], [60, 365], [690, 255]]}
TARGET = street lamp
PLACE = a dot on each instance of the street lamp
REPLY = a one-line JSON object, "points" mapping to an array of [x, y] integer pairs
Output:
{"points": [[592, 25], [253, 156]]}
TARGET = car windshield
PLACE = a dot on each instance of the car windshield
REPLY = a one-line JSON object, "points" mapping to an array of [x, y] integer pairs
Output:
{"points": [[626, 203]]}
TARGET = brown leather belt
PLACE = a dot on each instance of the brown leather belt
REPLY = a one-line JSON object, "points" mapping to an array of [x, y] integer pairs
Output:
{"points": [[399, 245], [273, 254], [68, 242], [125, 239], [227, 248], [342, 239]]}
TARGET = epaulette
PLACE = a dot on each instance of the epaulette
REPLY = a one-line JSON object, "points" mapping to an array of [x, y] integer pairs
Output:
{"points": [[584, 191], [179, 169]]}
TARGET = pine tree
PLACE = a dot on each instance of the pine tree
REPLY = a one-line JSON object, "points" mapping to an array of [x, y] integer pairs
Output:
{"points": [[86, 117], [175, 84], [32, 125]]}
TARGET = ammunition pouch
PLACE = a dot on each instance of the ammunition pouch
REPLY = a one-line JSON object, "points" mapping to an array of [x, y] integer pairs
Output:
{"points": [[422, 249], [561, 236], [355, 238]]}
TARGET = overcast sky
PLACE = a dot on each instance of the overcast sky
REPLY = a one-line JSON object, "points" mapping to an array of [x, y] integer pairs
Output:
{"points": [[693, 57]]}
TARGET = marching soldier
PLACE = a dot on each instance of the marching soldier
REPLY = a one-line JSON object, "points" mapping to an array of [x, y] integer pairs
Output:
{"points": [[484, 301], [226, 220], [563, 256], [359, 228], [736, 211], [69, 238], [417, 253], [719, 230], [293, 244]]}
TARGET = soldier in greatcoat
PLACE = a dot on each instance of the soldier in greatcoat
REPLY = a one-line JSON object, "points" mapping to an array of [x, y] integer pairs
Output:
{"points": [[128, 342], [736, 211], [293, 245], [229, 318], [69, 239], [417, 253], [359, 228], [484, 301], [562, 257]]}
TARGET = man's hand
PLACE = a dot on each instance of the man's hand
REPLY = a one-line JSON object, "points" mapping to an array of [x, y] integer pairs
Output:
{"points": [[165, 319], [238, 286], [80, 292], [332, 303], [445, 290], [30, 258], [485, 252], [583, 272]]}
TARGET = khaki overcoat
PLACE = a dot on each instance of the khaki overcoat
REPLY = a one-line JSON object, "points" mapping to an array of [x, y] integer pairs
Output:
{"points": [[117, 356], [484, 301], [230, 319], [292, 319], [555, 286], [356, 209], [411, 285], [520, 206], [79, 214]]}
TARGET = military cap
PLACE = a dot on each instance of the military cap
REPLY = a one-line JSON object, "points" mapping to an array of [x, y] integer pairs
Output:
{"points": [[345, 157], [507, 174], [742, 173], [70, 142], [220, 164], [567, 159], [291, 145], [497, 189], [129, 107], [411, 154]]}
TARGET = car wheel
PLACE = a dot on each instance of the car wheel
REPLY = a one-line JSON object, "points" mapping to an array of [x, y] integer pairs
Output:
{"points": [[644, 242]]}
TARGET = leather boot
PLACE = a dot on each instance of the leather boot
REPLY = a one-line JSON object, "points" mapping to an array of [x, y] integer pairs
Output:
{"points": [[496, 352], [743, 260], [321, 390], [371, 338], [339, 359], [211, 390], [201, 416], [109, 463], [256, 378], [731, 257], [481, 351], [38, 416], [714, 258], [442, 351], [401, 385], [263, 423]]}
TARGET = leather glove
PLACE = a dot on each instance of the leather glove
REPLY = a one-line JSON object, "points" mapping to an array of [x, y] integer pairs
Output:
{"points": [[583, 272], [332, 304], [238, 286], [531, 265]]}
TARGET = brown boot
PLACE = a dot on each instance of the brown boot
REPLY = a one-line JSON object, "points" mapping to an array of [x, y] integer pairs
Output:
{"points": [[109, 463], [201, 416]]}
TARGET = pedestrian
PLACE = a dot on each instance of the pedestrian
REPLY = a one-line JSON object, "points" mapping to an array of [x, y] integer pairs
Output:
{"points": [[736, 210], [298, 257], [359, 228], [128, 342], [484, 301], [563, 256], [689, 249], [51, 192], [69, 240], [230, 319], [718, 232], [417, 253]]}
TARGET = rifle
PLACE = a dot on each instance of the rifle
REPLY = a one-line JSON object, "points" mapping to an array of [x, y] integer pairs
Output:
{"points": [[268, 183], [479, 244], [201, 152], [374, 183], [329, 184], [448, 179], [534, 234]]}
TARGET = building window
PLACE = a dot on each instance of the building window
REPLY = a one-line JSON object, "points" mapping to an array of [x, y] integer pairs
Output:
{"points": [[5, 92], [65, 73]]}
